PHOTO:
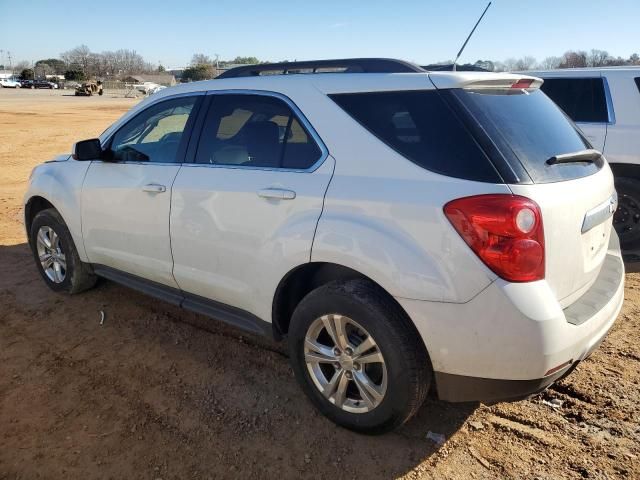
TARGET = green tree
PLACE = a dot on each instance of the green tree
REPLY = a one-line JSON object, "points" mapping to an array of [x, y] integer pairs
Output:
{"points": [[26, 74], [74, 75], [198, 72], [245, 60], [161, 69], [56, 64]]}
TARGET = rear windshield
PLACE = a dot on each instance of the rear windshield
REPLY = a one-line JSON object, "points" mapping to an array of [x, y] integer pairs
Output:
{"points": [[421, 126], [528, 128]]}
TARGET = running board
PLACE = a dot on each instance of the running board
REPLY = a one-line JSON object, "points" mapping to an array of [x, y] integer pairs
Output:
{"points": [[233, 316]]}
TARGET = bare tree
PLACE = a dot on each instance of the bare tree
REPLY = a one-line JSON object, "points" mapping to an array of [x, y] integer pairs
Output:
{"points": [[550, 63], [526, 63], [201, 59], [41, 70], [21, 65], [80, 56], [573, 59], [597, 58], [634, 59], [510, 64], [499, 67]]}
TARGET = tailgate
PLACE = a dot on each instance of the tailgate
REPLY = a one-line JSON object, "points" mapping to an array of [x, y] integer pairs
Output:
{"points": [[577, 217]]}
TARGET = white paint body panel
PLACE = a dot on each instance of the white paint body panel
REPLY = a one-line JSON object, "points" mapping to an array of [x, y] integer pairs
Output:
{"points": [[231, 245], [125, 227], [60, 182], [512, 331], [573, 259]]}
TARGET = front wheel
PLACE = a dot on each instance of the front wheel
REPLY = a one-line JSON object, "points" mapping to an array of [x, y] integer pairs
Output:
{"points": [[56, 255], [358, 357], [626, 219]]}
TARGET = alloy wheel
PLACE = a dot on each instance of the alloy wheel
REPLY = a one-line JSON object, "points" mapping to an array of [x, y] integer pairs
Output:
{"points": [[345, 363], [50, 253]]}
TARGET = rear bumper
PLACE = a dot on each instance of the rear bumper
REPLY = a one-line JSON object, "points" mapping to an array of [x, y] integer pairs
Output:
{"points": [[508, 342], [460, 388]]}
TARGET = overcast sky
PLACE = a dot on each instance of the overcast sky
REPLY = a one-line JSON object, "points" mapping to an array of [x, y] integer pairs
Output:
{"points": [[421, 31]]}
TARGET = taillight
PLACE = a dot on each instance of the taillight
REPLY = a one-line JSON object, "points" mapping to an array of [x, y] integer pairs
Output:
{"points": [[522, 83], [505, 231]]}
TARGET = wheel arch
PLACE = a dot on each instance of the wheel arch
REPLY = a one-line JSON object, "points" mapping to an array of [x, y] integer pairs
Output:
{"points": [[301, 280], [34, 205]]}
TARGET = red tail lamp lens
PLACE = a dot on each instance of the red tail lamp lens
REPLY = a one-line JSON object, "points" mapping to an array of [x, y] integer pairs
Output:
{"points": [[505, 231]]}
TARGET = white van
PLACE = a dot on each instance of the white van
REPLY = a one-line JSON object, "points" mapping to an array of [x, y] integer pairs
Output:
{"points": [[605, 104]]}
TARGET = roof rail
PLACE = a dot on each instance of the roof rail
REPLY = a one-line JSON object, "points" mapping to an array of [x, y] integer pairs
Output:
{"points": [[448, 67], [348, 65]]}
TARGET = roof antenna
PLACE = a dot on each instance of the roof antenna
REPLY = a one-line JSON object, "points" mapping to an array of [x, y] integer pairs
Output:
{"points": [[467, 40]]}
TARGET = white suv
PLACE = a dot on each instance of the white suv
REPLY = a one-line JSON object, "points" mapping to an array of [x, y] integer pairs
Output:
{"points": [[402, 229], [605, 104]]}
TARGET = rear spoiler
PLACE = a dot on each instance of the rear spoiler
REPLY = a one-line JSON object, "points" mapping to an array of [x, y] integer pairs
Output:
{"points": [[484, 81]]}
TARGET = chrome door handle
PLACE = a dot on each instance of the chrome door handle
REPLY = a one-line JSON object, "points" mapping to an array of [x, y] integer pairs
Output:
{"points": [[277, 193], [154, 188]]}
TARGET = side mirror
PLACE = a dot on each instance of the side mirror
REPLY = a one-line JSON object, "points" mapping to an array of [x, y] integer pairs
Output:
{"points": [[87, 150]]}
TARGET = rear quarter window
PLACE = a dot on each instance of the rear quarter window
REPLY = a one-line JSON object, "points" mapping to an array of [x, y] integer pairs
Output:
{"points": [[422, 127], [583, 99]]}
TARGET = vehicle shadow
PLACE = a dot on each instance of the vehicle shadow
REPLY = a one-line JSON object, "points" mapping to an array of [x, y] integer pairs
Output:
{"points": [[163, 383]]}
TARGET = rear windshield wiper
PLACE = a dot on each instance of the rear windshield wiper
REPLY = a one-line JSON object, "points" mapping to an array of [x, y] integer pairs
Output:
{"points": [[581, 156]]}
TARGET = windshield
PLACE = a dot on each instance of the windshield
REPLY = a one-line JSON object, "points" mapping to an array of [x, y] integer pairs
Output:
{"points": [[528, 128]]}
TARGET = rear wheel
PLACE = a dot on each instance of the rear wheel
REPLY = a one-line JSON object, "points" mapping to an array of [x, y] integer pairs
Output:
{"points": [[358, 357], [56, 255], [626, 219]]}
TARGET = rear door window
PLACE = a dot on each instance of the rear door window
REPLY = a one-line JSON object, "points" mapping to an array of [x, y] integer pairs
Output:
{"points": [[255, 131], [421, 126], [528, 128], [583, 99]]}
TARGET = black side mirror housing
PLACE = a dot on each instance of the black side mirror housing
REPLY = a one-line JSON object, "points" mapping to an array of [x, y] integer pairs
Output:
{"points": [[87, 150]]}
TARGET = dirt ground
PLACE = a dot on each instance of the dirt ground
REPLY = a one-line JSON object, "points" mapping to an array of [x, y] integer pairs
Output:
{"points": [[156, 392]]}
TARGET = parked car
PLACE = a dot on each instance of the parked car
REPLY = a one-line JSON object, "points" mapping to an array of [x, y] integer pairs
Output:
{"points": [[38, 84], [605, 104], [9, 83], [148, 88], [400, 231]]}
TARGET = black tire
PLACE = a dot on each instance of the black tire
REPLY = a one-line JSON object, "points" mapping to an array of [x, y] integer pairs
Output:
{"points": [[626, 219], [409, 371], [78, 276]]}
